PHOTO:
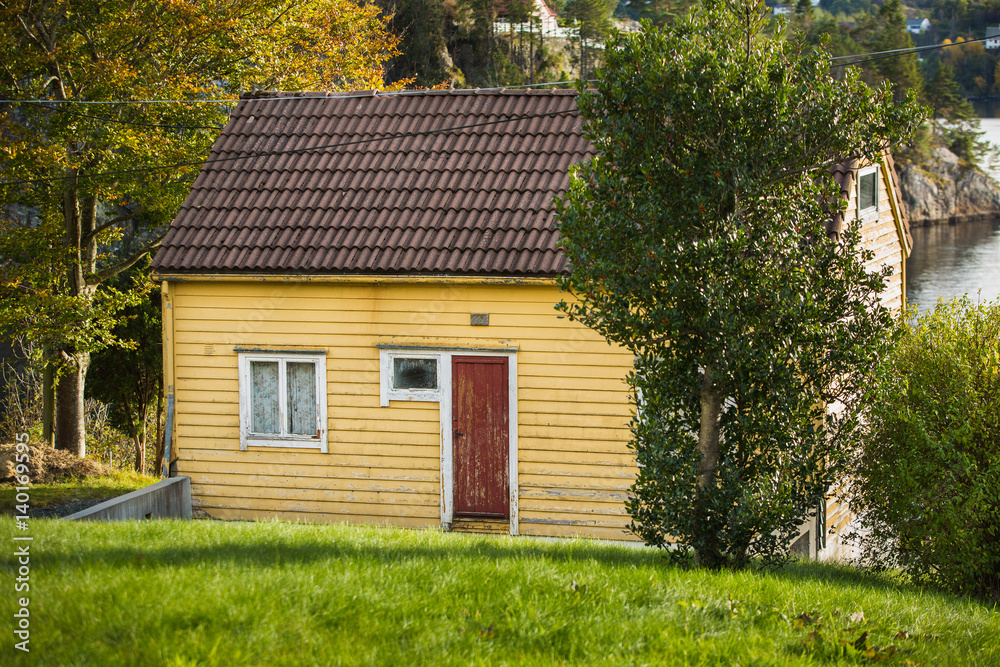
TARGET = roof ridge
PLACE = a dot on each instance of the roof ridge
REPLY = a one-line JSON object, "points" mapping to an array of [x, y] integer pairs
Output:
{"points": [[353, 94]]}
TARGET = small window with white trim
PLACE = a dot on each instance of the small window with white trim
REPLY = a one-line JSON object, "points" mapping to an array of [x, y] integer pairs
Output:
{"points": [[867, 190], [409, 376], [282, 400]]}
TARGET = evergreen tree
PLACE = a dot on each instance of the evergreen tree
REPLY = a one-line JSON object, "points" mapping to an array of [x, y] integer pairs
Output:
{"points": [[698, 241]]}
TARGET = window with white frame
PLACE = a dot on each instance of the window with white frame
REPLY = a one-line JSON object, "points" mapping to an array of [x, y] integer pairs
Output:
{"points": [[283, 399], [409, 376], [868, 190]]}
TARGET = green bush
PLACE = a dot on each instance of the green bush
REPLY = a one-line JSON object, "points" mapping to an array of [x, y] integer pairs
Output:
{"points": [[927, 486]]}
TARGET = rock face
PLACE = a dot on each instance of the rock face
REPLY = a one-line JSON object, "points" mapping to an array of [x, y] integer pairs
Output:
{"points": [[945, 191]]}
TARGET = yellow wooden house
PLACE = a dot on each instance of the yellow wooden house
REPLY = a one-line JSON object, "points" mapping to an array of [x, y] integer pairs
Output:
{"points": [[359, 318]]}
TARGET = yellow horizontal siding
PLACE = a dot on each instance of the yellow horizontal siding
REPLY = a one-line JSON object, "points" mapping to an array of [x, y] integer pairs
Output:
{"points": [[254, 507], [620, 521], [551, 484], [384, 462], [257, 459], [585, 530], [333, 474], [573, 470], [326, 488], [276, 510], [241, 486]]}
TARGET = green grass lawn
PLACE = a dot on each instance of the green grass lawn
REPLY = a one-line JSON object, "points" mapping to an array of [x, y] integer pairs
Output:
{"points": [[212, 593], [47, 495]]}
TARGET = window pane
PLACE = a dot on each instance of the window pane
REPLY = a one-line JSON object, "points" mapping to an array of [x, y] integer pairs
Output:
{"points": [[414, 373], [264, 397], [301, 397], [867, 195]]}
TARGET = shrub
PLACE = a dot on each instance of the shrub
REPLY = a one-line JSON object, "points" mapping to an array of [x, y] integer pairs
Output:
{"points": [[927, 486]]}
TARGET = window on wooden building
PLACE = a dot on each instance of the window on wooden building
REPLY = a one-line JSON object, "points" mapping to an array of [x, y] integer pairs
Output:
{"points": [[282, 400], [867, 190], [409, 376]]}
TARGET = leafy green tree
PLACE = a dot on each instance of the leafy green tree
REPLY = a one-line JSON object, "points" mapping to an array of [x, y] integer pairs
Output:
{"points": [[659, 12], [886, 31], [63, 220], [422, 26], [130, 379], [593, 21], [697, 238], [928, 482], [954, 121], [945, 98]]}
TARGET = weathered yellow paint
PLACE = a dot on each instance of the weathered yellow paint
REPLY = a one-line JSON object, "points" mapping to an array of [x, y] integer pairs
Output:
{"points": [[446, 343], [169, 365], [384, 463], [376, 279]]}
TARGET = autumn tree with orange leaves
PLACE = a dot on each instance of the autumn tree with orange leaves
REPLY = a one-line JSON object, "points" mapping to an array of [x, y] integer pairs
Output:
{"points": [[108, 106]]}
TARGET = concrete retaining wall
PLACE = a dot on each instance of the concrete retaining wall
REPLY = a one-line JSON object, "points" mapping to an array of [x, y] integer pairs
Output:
{"points": [[167, 498]]}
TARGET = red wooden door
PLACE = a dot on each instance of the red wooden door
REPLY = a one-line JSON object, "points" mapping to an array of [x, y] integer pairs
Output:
{"points": [[480, 436]]}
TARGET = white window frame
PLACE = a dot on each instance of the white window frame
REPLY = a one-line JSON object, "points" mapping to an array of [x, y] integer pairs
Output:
{"points": [[249, 439], [864, 171], [387, 392]]}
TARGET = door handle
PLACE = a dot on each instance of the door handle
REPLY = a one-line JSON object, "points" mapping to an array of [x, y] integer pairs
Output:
{"points": [[459, 433]]}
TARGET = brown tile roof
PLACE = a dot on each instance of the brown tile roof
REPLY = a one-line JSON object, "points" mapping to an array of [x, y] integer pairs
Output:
{"points": [[471, 201], [476, 200]]}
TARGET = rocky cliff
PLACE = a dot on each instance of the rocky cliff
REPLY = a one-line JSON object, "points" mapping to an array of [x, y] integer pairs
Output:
{"points": [[946, 191]]}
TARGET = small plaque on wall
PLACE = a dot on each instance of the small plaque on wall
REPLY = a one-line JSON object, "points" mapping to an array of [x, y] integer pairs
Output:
{"points": [[480, 319]]}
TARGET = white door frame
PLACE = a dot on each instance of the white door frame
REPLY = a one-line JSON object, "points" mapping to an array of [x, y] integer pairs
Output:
{"points": [[443, 397]]}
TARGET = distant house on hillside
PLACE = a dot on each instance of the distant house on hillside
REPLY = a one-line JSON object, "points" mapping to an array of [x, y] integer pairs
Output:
{"points": [[359, 325], [545, 20], [992, 38], [918, 26]]}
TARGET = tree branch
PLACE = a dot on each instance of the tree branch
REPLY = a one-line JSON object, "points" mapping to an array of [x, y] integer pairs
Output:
{"points": [[111, 223], [115, 269]]}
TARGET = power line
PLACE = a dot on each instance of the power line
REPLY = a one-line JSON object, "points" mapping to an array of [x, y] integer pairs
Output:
{"points": [[40, 105], [865, 58], [387, 137], [880, 55], [235, 101]]}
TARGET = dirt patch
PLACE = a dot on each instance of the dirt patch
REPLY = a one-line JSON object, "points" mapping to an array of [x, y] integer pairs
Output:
{"points": [[47, 465], [65, 509]]}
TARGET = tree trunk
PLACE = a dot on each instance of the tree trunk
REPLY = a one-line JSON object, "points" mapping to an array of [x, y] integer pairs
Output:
{"points": [[79, 220], [708, 445], [140, 450], [69, 422], [48, 399]]}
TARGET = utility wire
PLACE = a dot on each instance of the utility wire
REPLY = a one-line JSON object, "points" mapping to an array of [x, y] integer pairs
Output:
{"points": [[880, 55], [41, 105], [289, 151], [334, 96], [915, 48], [866, 57]]}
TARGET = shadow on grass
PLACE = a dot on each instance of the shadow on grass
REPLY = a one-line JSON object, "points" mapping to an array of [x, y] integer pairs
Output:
{"points": [[261, 551], [42, 497], [255, 548]]}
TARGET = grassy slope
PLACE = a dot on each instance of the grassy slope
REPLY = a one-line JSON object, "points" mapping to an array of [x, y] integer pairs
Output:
{"points": [[171, 592], [48, 495]]}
